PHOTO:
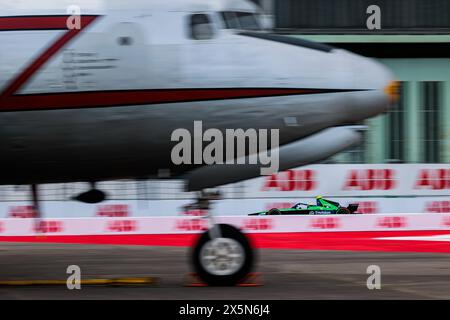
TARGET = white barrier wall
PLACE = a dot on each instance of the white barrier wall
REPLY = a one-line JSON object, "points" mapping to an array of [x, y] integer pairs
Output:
{"points": [[186, 225], [378, 188], [238, 207]]}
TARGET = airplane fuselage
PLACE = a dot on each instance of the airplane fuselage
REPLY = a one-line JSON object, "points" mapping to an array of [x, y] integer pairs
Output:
{"points": [[101, 102]]}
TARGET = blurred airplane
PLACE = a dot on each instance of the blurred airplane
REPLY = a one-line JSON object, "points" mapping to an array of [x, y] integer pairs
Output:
{"points": [[95, 95], [101, 102]]}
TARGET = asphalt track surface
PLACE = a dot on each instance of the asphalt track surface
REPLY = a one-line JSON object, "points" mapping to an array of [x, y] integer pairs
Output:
{"points": [[287, 274]]}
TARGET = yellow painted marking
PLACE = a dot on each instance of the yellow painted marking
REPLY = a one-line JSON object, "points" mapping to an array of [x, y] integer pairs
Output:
{"points": [[86, 282]]}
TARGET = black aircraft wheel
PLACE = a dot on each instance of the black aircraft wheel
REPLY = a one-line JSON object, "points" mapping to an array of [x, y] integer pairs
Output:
{"points": [[223, 261]]}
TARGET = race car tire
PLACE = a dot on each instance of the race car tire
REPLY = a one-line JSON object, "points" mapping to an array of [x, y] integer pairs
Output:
{"points": [[210, 260], [274, 212], [343, 211]]}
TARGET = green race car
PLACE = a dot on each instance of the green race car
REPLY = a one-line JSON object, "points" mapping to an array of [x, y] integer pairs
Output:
{"points": [[322, 207]]}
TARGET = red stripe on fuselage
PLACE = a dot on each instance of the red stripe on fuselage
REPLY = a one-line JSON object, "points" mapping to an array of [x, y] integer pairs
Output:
{"points": [[39, 23], [137, 97]]}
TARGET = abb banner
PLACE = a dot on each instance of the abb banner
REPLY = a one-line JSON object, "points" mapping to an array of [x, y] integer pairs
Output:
{"points": [[258, 224], [355, 180]]}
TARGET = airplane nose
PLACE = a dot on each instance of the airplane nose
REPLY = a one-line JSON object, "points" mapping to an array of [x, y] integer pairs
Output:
{"points": [[378, 87], [393, 91], [370, 74], [374, 75]]}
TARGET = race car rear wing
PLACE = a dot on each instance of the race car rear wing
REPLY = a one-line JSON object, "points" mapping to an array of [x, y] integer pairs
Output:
{"points": [[353, 207]]}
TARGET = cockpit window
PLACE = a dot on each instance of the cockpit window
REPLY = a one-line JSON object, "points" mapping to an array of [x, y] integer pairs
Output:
{"points": [[248, 21], [240, 20], [230, 19], [201, 27]]}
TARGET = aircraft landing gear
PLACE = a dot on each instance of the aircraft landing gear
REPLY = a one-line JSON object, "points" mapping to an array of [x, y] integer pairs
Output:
{"points": [[93, 196], [37, 213], [223, 255], [223, 261], [35, 201]]}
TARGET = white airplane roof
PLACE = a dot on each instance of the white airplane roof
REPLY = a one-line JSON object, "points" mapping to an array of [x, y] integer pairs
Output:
{"points": [[27, 7], [185, 5]]}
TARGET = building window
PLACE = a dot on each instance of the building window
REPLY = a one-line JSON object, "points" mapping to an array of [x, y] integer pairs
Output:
{"points": [[431, 125], [395, 130]]}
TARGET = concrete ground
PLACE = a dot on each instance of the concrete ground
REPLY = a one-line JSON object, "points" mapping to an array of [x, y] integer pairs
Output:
{"points": [[287, 274]]}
